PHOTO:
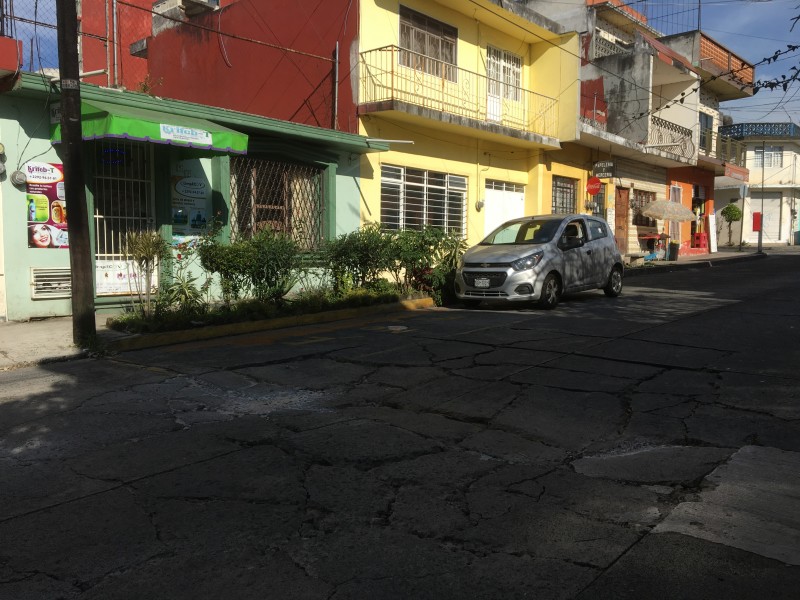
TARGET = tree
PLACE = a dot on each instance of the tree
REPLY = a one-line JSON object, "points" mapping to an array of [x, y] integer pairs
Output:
{"points": [[731, 214]]}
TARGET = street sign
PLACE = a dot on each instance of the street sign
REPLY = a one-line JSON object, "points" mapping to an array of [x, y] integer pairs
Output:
{"points": [[593, 185]]}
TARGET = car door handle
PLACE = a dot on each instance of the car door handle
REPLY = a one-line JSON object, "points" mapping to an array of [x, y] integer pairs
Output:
{"points": [[588, 252]]}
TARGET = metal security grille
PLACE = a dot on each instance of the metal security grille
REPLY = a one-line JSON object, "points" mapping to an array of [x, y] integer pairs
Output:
{"points": [[285, 197], [415, 198], [123, 194], [564, 195]]}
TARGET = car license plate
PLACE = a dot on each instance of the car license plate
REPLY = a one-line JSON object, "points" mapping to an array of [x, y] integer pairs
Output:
{"points": [[481, 282]]}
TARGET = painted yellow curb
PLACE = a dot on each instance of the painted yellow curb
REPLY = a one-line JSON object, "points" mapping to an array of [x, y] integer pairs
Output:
{"points": [[141, 341]]}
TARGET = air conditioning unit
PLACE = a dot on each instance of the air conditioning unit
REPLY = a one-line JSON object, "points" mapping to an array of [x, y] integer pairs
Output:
{"points": [[170, 13], [196, 7]]}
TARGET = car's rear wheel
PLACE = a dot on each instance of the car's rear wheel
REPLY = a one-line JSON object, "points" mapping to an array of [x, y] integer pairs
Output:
{"points": [[551, 292], [614, 285]]}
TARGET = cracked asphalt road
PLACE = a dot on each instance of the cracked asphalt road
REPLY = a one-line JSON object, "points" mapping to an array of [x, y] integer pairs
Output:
{"points": [[645, 447]]}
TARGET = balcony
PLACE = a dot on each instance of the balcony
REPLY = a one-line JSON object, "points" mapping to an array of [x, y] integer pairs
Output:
{"points": [[726, 75], [396, 79], [722, 147], [669, 137]]}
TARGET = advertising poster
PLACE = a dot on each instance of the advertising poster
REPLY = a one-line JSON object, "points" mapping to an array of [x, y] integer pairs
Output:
{"points": [[115, 277], [45, 206], [191, 200]]}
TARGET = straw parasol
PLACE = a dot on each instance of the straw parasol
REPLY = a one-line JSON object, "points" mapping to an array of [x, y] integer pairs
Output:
{"points": [[667, 210]]}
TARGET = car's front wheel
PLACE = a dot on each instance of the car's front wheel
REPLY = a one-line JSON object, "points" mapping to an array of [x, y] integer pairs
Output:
{"points": [[551, 292], [614, 285]]}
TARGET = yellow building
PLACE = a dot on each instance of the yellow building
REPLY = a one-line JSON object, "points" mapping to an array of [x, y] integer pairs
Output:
{"points": [[469, 96]]}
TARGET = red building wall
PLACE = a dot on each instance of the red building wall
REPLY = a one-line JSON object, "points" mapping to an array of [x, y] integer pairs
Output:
{"points": [[273, 58]]}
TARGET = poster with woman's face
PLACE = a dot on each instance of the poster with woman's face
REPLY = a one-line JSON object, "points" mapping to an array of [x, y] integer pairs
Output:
{"points": [[46, 207]]}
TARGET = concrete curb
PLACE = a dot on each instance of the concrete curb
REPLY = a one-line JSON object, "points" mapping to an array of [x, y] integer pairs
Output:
{"points": [[694, 264], [152, 340]]}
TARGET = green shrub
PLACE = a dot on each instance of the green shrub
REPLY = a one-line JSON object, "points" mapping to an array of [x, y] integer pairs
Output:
{"points": [[356, 258], [263, 267]]}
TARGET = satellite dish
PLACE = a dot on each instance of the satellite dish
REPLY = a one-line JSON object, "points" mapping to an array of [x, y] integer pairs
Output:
{"points": [[18, 178]]}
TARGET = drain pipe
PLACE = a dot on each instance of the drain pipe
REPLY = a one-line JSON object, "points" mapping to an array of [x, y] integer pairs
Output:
{"points": [[335, 120], [116, 40]]}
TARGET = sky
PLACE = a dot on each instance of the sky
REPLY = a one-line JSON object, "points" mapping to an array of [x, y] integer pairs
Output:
{"points": [[755, 30]]}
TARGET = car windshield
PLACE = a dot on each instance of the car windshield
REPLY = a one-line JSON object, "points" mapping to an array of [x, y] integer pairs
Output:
{"points": [[536, 231]]}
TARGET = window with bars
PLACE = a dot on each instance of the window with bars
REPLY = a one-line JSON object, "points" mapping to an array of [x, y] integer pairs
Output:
{"points": [[285, 197], [416, 198], [640, 200], [123, 194], [504, 71], [565, 193], [769, 156], [430, 45], [598, 202]]}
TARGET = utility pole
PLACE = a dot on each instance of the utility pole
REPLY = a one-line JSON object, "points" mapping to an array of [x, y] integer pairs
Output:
{"points": [[761, 224], [84, 329]]}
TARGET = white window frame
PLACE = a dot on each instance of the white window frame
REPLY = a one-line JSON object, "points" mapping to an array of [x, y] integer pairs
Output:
{"points": [[414, 198], [769, 157]]}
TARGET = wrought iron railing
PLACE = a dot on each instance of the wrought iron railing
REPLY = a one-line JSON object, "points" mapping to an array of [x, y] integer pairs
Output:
{"points": [[723, 147], [392, 73], [670, 137]]}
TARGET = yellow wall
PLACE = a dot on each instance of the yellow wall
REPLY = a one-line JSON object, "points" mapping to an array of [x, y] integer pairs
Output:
{"points": [[554, 74], [477, 160]]}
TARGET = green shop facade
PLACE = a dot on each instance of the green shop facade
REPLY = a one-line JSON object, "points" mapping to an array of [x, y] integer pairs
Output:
{"points": [[156, 164]]}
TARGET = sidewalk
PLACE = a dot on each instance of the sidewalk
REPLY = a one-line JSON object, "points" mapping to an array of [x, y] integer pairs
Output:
{"points": [[40, 341]]}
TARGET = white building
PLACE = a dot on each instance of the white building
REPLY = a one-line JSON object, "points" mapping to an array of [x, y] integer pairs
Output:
{"points": [[771, 195]]}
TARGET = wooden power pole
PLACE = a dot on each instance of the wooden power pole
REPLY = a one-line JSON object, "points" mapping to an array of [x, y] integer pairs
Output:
{"points": [[84, 330]]}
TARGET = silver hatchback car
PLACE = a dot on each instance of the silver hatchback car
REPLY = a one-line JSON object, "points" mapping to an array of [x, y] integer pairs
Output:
{"points": [[540, 258]]}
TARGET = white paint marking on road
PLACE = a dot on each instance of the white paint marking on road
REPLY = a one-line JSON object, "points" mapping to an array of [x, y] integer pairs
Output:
{"points": [[755, 505]]}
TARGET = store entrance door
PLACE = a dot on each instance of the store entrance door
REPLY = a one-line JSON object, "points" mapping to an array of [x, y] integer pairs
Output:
{"points": [[621, 208]]}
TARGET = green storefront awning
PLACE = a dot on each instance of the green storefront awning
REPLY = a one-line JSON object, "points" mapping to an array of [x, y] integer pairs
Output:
{"points": [[103, 120]]}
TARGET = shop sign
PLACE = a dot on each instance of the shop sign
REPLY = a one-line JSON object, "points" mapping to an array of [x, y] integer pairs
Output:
{"points": [[603, 169], [185, 134]]}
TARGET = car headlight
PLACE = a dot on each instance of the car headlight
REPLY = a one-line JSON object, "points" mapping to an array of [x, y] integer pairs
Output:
{"points": [[527, 262]]}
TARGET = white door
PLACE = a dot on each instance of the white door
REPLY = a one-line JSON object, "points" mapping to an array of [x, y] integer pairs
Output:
{"points": [[771, 218], [503, 201], [494, 74]]}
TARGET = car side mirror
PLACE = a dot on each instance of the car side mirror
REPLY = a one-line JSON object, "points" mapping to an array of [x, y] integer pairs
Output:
{"points": [[568, 243]]}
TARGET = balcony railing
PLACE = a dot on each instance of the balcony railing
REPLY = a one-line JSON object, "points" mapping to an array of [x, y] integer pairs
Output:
{"points": [[722, 147], [392, 73], [670, 137]]}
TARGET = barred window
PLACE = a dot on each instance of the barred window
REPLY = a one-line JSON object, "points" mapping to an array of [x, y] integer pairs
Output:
{"points": [[415, 198], [640, 200], [427, 44], [286, 197], [769, 156], [565, 192], [598, 202]]}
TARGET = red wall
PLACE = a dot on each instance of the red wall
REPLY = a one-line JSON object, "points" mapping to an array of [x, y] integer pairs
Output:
{"points": [[277, 62]]}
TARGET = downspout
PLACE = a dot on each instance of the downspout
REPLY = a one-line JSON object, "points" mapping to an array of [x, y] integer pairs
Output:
{"points": [[108, 47], [115, 26], [335, 119]]}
